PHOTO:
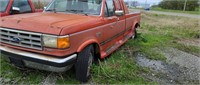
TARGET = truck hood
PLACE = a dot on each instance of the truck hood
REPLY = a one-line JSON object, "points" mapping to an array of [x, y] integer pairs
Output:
{"points": [[48, 23]]}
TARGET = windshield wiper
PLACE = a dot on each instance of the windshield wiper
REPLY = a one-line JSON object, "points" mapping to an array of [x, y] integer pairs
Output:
{"points": [[77, 11], [49, 10], [54, 10]]}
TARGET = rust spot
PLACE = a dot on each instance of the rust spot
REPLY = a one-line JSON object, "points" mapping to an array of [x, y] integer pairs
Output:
{"points": [[2, 20], [51, 26], [58, 27], [18, 21]]}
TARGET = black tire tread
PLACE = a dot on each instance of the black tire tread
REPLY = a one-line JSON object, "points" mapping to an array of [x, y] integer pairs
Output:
{"points": [[81, 65]]}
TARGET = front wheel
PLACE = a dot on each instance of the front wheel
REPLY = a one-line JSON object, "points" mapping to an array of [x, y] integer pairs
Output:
{"points": [[84, 63]]}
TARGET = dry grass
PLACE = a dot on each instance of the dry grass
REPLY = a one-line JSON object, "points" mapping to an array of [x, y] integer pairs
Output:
{"points": [[173, 24], [172, 30], [163, 20]]}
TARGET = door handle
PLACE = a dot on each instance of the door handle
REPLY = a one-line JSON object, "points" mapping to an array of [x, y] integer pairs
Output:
{"points": [[110, 18], [118, 19]]}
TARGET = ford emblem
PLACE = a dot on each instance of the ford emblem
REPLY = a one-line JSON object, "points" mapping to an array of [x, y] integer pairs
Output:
{"points": [[16, 39]]}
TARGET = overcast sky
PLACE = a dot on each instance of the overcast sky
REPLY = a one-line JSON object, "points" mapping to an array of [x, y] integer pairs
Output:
{"points": [[148, 1]]}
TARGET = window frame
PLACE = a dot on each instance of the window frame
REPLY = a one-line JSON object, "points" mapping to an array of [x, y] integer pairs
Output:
{"points": [[106, 10]]}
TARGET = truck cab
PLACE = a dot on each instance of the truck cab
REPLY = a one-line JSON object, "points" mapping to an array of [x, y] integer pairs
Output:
{"points": [[11, 7]]}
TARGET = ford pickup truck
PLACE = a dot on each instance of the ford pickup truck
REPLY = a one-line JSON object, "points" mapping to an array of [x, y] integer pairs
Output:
{"points": [[68, 33], [11, 7]]}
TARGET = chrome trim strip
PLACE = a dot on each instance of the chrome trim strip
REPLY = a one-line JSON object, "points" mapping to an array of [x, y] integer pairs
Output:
{"points": [[54, 36], [38, 56]]}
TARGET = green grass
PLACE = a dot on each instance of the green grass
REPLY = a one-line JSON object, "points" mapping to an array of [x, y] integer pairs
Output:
{"points": [[157, 31], [163, 31], [13, 75], [118, 69], [126, 71], [177, 11]]}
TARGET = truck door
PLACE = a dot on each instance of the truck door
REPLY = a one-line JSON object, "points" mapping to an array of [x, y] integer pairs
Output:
{"points": [[121, 22], [115, 24]]}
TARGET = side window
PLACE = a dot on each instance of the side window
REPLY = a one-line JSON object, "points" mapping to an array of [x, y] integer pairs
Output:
{"points": [[111, 7], [118, 6], [23, 5]]}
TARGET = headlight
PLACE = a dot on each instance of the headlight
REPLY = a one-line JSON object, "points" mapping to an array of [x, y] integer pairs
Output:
{"points": [[56, 41]]}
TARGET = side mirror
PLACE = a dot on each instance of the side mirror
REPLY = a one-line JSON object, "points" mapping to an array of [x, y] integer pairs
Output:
{"points": [[15, 8], [44, 8], [119, 12]]}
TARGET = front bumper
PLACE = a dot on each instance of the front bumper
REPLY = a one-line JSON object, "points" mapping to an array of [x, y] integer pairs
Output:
{"points": [[38, 61]]}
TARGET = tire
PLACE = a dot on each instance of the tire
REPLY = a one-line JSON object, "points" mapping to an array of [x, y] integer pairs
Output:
{"points": [[84, 63], [134, 36]]}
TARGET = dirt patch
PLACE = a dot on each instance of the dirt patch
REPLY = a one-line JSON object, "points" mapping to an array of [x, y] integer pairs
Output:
{"points": [[179, 68]]}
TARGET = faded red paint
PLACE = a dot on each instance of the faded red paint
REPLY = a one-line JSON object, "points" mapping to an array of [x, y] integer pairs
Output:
{"points": [[82, 30]]}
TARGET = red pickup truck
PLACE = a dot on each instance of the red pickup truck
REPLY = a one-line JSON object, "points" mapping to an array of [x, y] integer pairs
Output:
{"points": [[10, 7], [68, 33]]}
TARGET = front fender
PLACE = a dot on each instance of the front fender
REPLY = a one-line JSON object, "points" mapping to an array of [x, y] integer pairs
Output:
{"points": [[86, 43]]}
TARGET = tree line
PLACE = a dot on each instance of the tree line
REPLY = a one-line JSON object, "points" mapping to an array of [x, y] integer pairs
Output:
{"points": [[190, 5]]}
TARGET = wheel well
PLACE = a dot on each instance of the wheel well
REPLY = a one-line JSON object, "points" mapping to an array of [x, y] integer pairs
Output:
{"points": [[96, 51], [137, 25]]}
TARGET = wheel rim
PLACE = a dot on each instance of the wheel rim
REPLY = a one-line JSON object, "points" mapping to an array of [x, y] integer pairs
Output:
{"points": [[133, 36], [89, 63]]}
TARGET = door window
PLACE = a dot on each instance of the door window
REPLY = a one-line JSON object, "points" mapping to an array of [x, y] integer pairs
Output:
{"points": [[118, 6], [110, 7]]}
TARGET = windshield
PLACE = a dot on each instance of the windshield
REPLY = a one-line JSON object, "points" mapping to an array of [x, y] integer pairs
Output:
{"points": [[88, 7], [3, 5]]}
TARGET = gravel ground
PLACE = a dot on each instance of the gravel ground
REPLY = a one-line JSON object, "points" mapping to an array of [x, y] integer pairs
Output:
{"points": [[179, 68]]}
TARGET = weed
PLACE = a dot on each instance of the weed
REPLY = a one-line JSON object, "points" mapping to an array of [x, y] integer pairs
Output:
{"points": [[118, 69]]}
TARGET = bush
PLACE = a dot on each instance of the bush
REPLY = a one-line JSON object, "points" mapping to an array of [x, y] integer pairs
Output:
{"points": [[179, 4]]}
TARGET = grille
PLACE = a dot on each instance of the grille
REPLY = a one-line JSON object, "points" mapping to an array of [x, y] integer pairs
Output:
{"points": [[21, 38]]}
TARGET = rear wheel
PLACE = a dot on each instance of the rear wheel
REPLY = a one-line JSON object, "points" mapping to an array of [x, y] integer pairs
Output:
{"points": [[84, 63], [135, 34]]}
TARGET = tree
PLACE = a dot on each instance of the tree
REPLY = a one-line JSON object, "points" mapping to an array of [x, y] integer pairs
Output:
{"points": [[191, 5]]}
